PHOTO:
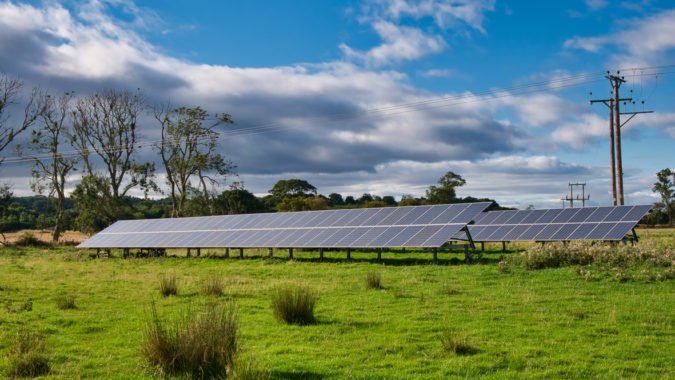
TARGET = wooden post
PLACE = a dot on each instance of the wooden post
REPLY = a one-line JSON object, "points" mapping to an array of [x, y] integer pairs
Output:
{"points": [[241, 253], [227, 252], [435, 256], [379, 255], [290, 253], [349, 254], [320, 254], [271, 252]]}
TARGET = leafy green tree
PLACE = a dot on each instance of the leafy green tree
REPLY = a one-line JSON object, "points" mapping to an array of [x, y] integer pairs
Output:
{"points": [[50, 172], [292, 188], [389, 200], [187, 149], [104, 131], [238, 200], [293, 204], [335, 199], [445, 192], [409, 200], [366, 197], [665, 180], [349, 200], [374, 203]]}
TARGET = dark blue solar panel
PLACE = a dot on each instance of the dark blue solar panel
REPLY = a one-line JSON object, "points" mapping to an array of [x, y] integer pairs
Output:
{"points": [[290, 234], [387, 235], [321, 235], [636, 213], [345, 217], [243, 236], [404, 236], [500, 232], [337, 237], [531, 232], [348, 241], [223, 239], [328, 218], [362, 217], [618, 213], [260, 238], [443, 235], [600, 214], [565, 215], [582, 215], [502, 216], [472, 212], [450, 213], [383, 214], [399, 212], [298, 219], [549, 216], [619, 231], [274, 237], [600, 231], [533, 217], [582, 232], [240, 220], [430, 215], [483, 234], [565, 231], [423, 235], [374, 216], [414, 214], [251, 221], [292, 241], [517, 217], [368, 237], [515, 233], [315, 217], [547, 232], [485, 218]]}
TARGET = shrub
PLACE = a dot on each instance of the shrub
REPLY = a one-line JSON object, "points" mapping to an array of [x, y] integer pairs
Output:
{"points": [[503, 267], [373, 280], [28, 239], [456, 343], [168, 285], [201, 345], [65, 302], [249, 369], [294, 304], [213, 286], [27, 358]]}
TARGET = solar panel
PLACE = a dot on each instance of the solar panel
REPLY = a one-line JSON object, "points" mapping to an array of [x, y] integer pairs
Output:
{"points": [[590, 223], [412, 226]]}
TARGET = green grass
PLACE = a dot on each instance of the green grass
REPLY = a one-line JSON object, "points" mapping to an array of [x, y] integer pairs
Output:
{"points": [[524, 323]]}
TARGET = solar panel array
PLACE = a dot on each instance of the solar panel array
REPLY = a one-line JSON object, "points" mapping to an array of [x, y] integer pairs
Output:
{"points": [[414, 226], [589, 223]]}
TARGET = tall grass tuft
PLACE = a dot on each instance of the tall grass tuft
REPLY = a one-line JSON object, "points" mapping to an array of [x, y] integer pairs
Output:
{"points": [[373, 280], [294, 304], [456, 343], [65, 302], [213, 286], [27, 358], [249, 369], [200, 345], [168, 285]]}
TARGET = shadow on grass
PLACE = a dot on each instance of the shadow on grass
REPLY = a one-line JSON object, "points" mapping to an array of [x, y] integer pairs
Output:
{"points": [[305, 375]]}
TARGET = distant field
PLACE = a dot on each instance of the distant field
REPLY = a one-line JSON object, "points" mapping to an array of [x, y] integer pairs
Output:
{"points": [[539, 323]]}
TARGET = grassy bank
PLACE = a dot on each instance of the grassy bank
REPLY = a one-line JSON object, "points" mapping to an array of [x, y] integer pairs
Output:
{"points": [[524, 323]]}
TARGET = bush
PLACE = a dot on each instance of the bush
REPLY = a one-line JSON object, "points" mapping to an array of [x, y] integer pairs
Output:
{"points": [[373, 280], [65, 302], [456, 343], [27, 358], [249, 369], [28, 239], [200, 346], [168, 285], [213, 286], [294, 304]]}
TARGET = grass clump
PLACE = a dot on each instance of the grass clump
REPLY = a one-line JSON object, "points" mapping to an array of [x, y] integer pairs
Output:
{"points": [[65, 302], [456, 343], [294, 304], [168, 285], [213, 286], [200, 345], [373, 280], [249, 369], [27, 358]]}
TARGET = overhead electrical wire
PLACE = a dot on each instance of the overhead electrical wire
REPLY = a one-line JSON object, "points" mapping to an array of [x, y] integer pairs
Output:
{"points": [[427, 104]]}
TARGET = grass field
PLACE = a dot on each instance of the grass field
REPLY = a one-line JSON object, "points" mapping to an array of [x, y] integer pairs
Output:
{"points": [[536, 323]]}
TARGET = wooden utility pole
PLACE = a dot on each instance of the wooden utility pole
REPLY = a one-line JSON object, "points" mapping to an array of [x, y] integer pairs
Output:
{"points": [[616, 81]]}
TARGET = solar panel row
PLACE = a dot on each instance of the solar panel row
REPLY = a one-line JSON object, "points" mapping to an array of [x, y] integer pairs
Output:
{"points": [[417, 226], [590, 223]]}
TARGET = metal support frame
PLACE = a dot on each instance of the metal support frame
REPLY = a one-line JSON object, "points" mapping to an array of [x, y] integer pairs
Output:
{"points": [[379, 255], [227, 252], [435, 256], [290, 253], [349, 254], [270, 251], [320, 254], [241, 253]]}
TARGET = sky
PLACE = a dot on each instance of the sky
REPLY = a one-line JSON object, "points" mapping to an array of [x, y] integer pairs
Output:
{"points": [[377, 96]]}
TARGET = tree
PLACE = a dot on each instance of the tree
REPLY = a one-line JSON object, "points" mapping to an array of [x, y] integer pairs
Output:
{"points": [[104, 130], [349, 200], [51, 170], [445, 193], [187, 149], [409, 200], [335, 199], [5, 199], [389, 200], [292, 188], [664, 186], [9, 92], [238, 200]]}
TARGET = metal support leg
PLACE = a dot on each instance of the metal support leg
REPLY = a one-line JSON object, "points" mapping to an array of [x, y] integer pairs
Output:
{"points": [[349, 254], [290, 253], [227, 252], [435, 256], [271, 252], [199, 252], [241, 253], [320, 254], [482, 246], [379, 255], [467, 255], [188, 253], [503, 246]]}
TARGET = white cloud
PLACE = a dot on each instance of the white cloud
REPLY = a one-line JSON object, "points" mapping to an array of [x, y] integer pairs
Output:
{"points": [[596, 4]]}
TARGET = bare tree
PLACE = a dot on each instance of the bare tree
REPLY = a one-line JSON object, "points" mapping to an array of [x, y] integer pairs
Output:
{"points": [[9, 93], [50, 166], [187, 150], [104, 130]]}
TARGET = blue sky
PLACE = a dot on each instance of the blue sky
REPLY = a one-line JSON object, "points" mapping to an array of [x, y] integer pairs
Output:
{"points": [[295, 64]]}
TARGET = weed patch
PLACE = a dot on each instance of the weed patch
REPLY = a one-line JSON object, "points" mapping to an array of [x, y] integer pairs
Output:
{"points": [[373, 280], [201, 345], [294, 304], [213, 286], [168, 285], [456, 343], [65, 302], [27, 358]]}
